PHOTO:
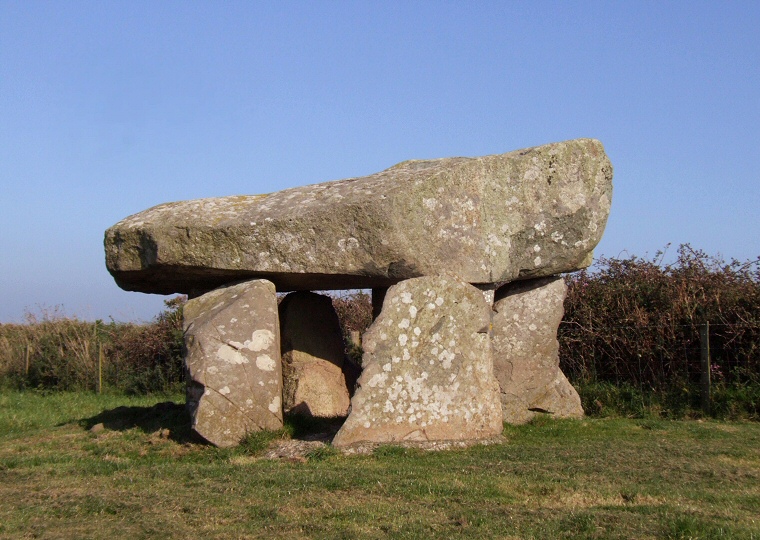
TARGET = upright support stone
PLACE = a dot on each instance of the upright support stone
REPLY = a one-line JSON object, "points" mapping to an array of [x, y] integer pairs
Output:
{"points": [[233, 362], [427, 368], [312, 357], [526, 351]]}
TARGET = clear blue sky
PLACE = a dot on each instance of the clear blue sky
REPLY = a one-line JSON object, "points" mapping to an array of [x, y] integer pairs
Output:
{"points": [[110, 107]]}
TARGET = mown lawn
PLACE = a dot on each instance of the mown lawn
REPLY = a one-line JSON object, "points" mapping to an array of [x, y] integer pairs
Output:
{"points": [[143, 477]]}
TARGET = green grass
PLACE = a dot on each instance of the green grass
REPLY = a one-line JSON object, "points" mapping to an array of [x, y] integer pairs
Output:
{"points": [[144, 477]]}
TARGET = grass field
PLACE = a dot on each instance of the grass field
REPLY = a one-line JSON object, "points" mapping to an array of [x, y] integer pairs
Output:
{"points": [[142, 477]]}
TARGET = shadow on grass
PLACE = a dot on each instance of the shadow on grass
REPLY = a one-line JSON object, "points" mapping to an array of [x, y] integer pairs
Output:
{"points": [[169, 419]]}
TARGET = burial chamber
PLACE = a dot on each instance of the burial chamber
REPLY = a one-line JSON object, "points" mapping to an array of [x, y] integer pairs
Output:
{"points": [[466, 338]]}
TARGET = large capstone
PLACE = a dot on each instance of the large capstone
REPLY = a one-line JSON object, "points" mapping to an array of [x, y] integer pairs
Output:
{"points": [[428, 374], [525, 351], [233, 362], [529, 213], [312, 357]]}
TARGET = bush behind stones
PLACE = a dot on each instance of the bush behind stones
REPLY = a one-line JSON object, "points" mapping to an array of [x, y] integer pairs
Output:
{"points": [[56, 352], [629, 341], [633, 324]]}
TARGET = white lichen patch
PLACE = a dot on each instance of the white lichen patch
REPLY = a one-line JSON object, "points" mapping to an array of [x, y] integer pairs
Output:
{"points": [[348, 244], [274, 405], [378, 379], [231, 355], [265, 363], [494, 240], [261, 339], [446, 357]]}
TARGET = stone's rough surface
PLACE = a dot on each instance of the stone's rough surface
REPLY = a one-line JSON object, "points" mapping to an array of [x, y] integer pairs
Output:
{"points": [[312, 356], [525, 351], [233, 362], [427, 368], [528, 213]]}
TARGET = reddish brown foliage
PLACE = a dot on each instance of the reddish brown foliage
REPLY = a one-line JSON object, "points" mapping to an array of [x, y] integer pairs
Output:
{"points": [[638, 321]]}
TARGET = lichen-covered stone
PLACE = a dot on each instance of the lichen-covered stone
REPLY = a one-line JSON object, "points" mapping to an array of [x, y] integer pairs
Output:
{"points": [[525, 351], [529, 213], [312, 357], [233, 362], [427, 373]]}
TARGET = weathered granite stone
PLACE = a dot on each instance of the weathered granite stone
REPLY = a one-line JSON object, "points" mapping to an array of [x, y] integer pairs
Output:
{"points": [[529, 213], [312, 357], [525, 351], [427, 368], [233, 362]]}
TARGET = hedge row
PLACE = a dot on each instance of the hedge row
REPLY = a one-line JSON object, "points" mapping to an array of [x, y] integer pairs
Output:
{"points": [[630, 339]]}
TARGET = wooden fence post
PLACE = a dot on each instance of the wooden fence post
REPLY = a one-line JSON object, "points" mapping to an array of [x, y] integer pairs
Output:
{"points": [[100, 367], [27, 355], [704, 340]]}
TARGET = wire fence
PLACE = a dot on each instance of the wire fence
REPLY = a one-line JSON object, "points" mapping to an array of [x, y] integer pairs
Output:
{"points": [[653, 358]]}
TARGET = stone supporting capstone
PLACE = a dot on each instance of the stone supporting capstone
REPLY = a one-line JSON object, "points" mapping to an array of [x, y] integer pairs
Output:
{"points": [[233, 362], [526, 351], [312, 357], [428, 373]]}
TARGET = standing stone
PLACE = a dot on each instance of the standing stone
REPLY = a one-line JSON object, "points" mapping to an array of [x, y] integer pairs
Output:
{"points": [[427, 373], [312, 357], [233, 362], [526, 351]]}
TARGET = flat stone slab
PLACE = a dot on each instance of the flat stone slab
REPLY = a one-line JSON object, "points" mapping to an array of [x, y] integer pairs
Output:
{"points": [[233, 362], [529, 213], [428, 374]]}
